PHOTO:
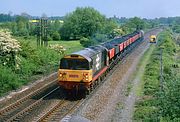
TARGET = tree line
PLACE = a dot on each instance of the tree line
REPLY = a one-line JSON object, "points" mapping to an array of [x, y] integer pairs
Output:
{"points": [[85, 24]]}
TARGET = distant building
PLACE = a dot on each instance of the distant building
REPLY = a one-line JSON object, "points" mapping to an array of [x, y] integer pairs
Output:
{"points": [[33, 21], [51, 21]]}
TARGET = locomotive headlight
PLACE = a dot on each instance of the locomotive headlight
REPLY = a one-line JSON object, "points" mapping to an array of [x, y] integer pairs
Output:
{"points": [[86, 76], [60, 74]]}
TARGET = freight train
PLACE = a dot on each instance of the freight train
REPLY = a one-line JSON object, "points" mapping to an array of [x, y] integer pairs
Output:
{"points": [[83, 70]]}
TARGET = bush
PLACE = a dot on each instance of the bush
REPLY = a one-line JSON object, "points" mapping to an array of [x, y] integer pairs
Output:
{"points": [[85, 42], [165, 100], [100, 37], [56, 36], [8, 80], [33, 61]]}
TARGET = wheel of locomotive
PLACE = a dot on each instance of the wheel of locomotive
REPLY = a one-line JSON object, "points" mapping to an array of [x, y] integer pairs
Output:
{"points": [[91, 87], [87, 92]]}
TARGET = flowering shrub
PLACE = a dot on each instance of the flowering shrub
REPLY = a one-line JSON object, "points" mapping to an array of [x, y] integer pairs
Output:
{"points": [[9, 49], [58, 48]]}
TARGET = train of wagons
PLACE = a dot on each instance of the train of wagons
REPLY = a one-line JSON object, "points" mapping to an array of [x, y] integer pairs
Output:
{"points": [[81, 71]]}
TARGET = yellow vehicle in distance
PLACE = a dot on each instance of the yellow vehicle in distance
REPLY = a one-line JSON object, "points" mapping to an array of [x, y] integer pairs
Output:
{"points": [[152, 39]]}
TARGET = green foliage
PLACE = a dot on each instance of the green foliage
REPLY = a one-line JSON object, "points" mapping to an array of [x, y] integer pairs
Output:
{"points": [[136, 23], [84, 22], [8, 80], [169, 99], [56, 36], [176, 25], [86, 42], [162, 105], [33, 62], [6, 17], [22, 26], [99, 38], [109, 27]]}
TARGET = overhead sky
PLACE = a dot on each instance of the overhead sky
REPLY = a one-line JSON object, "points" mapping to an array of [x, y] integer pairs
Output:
{"points": [[120, 8]]}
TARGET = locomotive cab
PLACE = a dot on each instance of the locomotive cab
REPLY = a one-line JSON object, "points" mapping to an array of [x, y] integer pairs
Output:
{"points": [[74, 70], [152, 39], [78, 70]]}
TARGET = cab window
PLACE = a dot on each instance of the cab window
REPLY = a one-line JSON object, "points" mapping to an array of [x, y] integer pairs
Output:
{"points": [[74, 64]]}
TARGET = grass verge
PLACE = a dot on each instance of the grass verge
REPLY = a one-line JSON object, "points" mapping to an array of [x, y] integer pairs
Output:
{"points": [[160, 103]]}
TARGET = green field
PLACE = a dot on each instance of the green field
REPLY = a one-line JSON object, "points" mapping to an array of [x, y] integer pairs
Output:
{"points": [[70, 46]]}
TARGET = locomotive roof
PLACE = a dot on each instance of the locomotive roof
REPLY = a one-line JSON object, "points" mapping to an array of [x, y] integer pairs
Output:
{"points": [[88, 53]]}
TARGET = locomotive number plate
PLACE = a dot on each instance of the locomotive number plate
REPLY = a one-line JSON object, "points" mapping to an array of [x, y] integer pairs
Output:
{"points": [[73, 76]]}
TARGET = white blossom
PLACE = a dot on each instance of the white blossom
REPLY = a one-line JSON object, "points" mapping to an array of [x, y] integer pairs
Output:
{"points": [[59, 48], [7, 43], [9, 47]]}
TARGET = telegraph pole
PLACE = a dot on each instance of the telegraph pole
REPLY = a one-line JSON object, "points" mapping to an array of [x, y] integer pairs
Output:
{"points": [[42, 32], [161, 70]]}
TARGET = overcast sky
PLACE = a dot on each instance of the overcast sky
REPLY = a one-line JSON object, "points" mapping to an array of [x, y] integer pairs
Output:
{"points": [[120, 8]]}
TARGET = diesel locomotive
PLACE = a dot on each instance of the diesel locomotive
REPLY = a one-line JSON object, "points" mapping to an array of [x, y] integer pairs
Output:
{"points": [[83, 70], [152, 39]]}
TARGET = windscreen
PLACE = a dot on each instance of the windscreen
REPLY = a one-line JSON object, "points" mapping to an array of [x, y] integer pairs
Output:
{"points": [[74, 64]]}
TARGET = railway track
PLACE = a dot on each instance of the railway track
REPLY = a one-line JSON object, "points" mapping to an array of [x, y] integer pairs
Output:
{"points": [[59, 111], [17, 108]]}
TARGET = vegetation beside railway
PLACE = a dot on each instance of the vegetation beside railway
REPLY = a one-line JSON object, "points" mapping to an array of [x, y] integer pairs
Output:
{"points": [[29, 63], [159, 101]]}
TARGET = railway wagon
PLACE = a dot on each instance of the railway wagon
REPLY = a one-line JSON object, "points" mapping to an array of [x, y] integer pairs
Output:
{"points": [[83, 70]]}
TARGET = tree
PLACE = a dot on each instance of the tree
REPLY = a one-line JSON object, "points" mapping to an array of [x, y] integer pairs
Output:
{"points": [[176, 25], [136, 23], [55, 36], [22, 26], [83, 22], [86, 42], [109, 27]]}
